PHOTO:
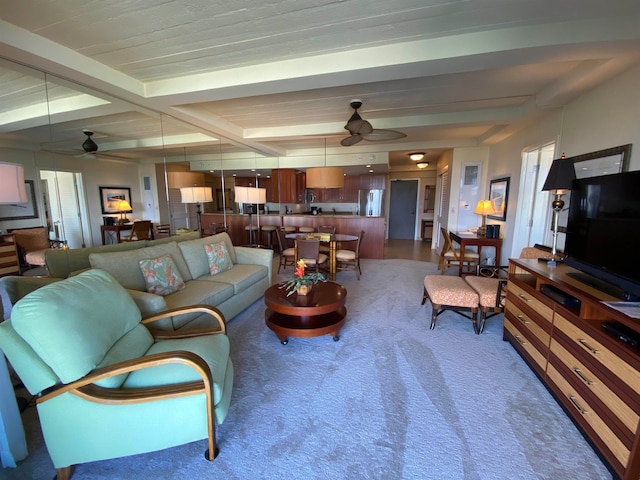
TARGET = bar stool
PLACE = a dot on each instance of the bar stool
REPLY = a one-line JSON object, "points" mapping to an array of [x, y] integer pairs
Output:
{"points": [[269, 230], [251, 230]]}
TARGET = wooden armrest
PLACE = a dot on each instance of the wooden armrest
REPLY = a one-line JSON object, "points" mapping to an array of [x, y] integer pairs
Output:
{"points": [[214, 312], [85, 386], [492, 271]]}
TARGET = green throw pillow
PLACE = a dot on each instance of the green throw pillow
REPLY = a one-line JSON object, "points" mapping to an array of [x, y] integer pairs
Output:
{"points": [[161, 275], [219, 258]]}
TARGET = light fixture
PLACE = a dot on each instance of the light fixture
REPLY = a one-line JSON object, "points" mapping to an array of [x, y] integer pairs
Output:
{"points": [[12, 187], [559, 181], [325, 177], [484, 208], [197, 195], [422, 165], [417, 156], [248, 196], [121, 206]]}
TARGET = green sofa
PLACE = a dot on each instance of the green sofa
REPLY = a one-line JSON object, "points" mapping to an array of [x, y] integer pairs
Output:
{"points": [[107, 385], [230, 291]]}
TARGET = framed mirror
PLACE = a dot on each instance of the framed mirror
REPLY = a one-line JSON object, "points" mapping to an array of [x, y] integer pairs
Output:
{"points": [[602, 162]]}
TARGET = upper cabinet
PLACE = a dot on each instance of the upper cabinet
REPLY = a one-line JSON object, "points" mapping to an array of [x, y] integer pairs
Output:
{"points": [[288, 185], [373, 181]]}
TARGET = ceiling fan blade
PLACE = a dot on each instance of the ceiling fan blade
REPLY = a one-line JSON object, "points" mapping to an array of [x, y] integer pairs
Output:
{"points": [[351, 140], [357, 125], [379, 135]]}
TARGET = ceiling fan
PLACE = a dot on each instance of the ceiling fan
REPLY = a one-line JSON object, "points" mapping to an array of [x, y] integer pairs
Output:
{"points": [[86, 150], [360, 129]]}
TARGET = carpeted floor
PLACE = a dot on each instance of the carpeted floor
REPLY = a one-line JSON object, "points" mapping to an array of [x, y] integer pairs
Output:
{"points": [[390, 400]]}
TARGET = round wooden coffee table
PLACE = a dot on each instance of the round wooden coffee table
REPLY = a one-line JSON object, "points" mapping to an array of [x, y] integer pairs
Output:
{"points": [[320, 312]]}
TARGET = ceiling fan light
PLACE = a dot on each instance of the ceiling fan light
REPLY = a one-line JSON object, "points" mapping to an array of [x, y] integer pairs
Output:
{"points": [[417, 156], [325, 177], [422, 165]]}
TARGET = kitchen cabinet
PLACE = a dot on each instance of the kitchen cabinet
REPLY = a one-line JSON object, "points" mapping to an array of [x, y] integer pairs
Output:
{"points": [[373, 181], [288, 185]]}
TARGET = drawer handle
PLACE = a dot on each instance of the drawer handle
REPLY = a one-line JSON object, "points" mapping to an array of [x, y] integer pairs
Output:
{"points": [[524, 298], [520, 341], [522, 319], [582, 377], [573, 400], [587, 346]]}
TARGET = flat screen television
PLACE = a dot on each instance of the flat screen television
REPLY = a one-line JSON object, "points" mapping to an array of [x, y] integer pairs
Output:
{"points": [[603, 233]]}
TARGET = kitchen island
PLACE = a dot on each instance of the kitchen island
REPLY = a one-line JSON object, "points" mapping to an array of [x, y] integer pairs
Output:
{"points": [[373, 227]]}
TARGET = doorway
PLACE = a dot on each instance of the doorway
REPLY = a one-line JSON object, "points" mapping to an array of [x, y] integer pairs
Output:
{"points": [[402, 209], [65, 206]]}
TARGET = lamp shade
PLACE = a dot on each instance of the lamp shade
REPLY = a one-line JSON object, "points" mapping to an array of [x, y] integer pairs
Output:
{"points": [[561, 175], [12, 189], [325, 177], [122, 206], [484, 207], [241, 194], [250, 195], [196, 194]]}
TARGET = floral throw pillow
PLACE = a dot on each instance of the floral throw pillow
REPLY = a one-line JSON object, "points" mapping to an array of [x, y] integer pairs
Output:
{"points": [[219, 258], [161, 275]]}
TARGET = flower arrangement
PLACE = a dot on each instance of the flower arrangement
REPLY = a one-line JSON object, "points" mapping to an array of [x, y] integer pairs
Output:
{"points": [[300, 279]]}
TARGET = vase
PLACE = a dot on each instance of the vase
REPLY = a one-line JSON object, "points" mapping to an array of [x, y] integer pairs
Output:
{"points": [[303, 289]]}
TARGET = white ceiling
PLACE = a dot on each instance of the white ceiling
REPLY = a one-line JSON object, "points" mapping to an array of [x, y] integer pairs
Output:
{"points": [[278, 76]]}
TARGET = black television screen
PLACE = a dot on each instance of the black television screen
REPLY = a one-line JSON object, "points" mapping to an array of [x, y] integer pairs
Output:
{"points": [[603, 231]]}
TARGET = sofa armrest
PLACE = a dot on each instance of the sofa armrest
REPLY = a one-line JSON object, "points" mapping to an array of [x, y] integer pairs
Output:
{"points": [[255, 256], [17, 287], [148, 303]]}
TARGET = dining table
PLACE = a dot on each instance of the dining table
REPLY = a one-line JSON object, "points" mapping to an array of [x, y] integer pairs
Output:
{"points": [[471, 239], [333, 239]]}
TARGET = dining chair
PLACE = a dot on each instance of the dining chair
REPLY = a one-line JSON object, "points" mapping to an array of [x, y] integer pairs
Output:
{"points": [[350, 259], [141, 230], [287, 254], [450, 256], [326, 229], [309, 251]]}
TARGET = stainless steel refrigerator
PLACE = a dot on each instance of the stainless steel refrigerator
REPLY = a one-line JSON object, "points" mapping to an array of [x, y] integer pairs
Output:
{"points": [[371, 203]]}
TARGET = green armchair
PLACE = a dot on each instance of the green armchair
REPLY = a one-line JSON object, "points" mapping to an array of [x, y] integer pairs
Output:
{"points": [[109, 384]]}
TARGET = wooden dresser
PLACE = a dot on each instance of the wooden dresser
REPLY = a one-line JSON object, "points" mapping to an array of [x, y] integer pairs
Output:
{"points": [[555, 322], [9, 261]]}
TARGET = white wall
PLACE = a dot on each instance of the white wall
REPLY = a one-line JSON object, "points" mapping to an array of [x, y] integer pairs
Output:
{"points": [[604, 117]]}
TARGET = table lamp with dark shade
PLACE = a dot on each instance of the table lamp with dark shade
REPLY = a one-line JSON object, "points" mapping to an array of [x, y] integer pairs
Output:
{"points": [[559, 181]]}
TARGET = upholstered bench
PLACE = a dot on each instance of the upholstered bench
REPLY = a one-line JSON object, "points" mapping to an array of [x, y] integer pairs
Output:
{"points": [[491, 296], [447, 292]]}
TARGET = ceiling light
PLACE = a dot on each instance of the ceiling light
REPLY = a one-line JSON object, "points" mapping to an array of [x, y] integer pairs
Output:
{"points": [[325, 177], [416, 156], [422, 165]]}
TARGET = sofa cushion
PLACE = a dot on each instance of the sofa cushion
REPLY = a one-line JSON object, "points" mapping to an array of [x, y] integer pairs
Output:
{"points": [[240, 276], [218, 256], [196, 257], [161, 275], [198, 292], [123, 266], [73, 323]]}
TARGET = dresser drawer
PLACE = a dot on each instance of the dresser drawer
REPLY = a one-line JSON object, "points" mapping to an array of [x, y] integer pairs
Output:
{"points": [[531, 323], [594, 384], [612, 446], [544, 311], [598, 353], [524, 344]]}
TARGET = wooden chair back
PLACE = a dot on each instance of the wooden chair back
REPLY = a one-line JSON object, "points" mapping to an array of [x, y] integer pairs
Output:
{"points": [[141, 231], [327, 229]]}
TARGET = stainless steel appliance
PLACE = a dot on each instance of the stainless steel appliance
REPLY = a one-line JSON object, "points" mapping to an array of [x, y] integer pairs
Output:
{"points": [[371, 203]]}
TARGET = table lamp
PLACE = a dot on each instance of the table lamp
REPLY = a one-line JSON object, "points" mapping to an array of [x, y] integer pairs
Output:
{"points": [[122, 207], [484, 208], [559, 181], [197, 195]]}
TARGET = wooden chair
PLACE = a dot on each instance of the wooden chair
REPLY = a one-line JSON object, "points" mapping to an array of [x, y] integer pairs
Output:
{"points": [[309, 251], [141, 231], [450, 256], [287, 254], [32, 243], [350, 259]]}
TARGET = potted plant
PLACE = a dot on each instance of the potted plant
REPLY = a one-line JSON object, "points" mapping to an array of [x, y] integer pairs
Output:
{"points": [[302, 282]]}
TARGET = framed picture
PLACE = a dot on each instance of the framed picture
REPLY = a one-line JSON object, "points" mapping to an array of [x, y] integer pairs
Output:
{"points": [[602, 162], [21, 211], [498, 195], [109, 195]]}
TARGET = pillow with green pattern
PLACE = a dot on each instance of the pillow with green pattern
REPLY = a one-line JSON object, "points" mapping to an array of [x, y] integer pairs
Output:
{"points": [[219, 258], [161, 275]]}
